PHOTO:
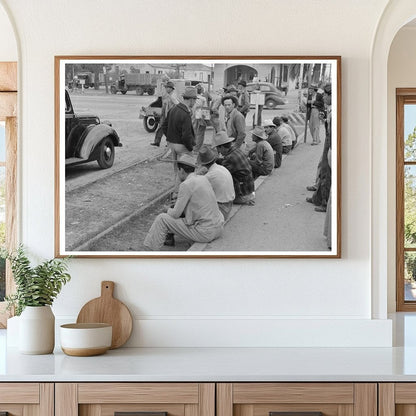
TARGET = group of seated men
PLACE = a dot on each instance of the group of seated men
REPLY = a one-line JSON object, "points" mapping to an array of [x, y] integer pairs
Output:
{"points": [[212, 181]]}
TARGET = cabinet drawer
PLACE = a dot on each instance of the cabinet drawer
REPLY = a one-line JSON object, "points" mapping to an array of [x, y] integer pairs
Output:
{"points": [[309, 399], [108, 399]]}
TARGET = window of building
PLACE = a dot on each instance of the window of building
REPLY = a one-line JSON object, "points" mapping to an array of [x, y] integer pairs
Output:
{"points": [[406, 199]]}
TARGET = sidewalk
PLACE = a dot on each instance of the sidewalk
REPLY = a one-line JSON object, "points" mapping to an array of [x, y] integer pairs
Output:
{"points": [[281, 219]]}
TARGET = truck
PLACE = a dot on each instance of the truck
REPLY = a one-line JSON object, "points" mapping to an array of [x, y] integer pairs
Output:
{"points": [[141, 83]]}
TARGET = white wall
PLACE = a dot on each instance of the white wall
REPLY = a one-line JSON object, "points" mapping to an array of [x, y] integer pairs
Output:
{"points": [[8, 46], [401, 74], [231, 302]]}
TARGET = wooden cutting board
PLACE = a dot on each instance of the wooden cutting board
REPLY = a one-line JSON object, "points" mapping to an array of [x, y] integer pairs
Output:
{"points": [[108, 310]]}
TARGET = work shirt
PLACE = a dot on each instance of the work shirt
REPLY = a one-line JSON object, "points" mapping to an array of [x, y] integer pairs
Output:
{"points": [[284, 135], [263, 155], [236, 126], [238, 165], [222, 183], [196, 199]]}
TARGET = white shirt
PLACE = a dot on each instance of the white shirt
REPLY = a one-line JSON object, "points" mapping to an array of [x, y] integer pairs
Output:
{"points": [[222, 183]]}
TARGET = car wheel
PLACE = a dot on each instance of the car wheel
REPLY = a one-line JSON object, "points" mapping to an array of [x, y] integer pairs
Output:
{"points": [[150, 123], [106, 153], [270, 103], [150, 91], [139, 91], [113, 89], [124, 92]]}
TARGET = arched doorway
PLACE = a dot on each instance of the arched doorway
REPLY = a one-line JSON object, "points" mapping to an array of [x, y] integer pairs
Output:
{"points": [[395, 16], [236, 73]]}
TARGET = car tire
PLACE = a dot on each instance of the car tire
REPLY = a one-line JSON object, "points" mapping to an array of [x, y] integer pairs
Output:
{"points": [[113, 89], [150, 91], [106, 153], [139, 91], [124, 92], [150, 123], [270, 103]]}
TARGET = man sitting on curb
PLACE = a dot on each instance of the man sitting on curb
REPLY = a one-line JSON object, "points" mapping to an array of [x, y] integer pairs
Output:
{"points": [[275, 142], [202, 221], [237, 163], [284, 134], [219, 177], [261, 156]]}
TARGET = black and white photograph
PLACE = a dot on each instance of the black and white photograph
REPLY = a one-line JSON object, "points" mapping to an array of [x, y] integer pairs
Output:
{"points": [[198, 156]]}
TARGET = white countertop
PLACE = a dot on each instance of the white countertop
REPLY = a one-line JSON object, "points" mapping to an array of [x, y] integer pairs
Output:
{"points": [[215, 364]]}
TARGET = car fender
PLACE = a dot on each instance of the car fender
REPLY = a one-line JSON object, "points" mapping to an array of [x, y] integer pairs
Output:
{"points": [[93, 134]]}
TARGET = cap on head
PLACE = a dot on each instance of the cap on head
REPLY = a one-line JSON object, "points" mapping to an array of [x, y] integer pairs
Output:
{"points": [[187, 159], [231, 88], [170, 84], [207, 155], [268, 123], [259, 132], [221, 138], [190, 92]]}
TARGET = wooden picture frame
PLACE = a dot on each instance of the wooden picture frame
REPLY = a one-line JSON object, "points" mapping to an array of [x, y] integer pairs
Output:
{"points": [[107, 109]]}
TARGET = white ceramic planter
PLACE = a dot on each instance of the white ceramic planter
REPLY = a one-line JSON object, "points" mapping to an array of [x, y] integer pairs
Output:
{"points": [[37, 330]]}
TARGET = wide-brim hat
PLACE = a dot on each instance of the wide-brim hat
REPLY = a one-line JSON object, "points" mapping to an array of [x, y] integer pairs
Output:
{"points": [[207, 155], [230, 97], [259, 132], [222, 138], [190, 92], [243, 83], [170, 84], [269, 123], [187, 159]]}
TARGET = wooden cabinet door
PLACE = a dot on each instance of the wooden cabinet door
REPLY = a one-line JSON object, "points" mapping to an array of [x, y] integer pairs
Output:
{"points": [[397, 399], [297, 399], [26, 399], [143, 399]]}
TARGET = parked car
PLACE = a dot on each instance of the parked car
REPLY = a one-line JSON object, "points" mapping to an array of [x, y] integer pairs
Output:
{"points": [[273, 97], [87, 139]]}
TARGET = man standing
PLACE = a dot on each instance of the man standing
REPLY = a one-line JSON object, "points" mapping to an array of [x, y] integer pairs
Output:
{"points": [[275, 142], [220, 179], [198, 119], [234, 120], [169, 99], [261, 156], [237, 163], [243, 98], [195, 216], [178, 127]]}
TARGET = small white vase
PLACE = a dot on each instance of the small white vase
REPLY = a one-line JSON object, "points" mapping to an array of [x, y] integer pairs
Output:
{"points": [[37, 330]]}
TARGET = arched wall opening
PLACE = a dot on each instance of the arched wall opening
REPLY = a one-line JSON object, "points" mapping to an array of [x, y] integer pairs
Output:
{"points": [[396, 15]]}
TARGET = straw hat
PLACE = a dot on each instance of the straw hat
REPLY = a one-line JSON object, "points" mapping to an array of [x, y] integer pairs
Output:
{"points": [[187, 159], [259, 132], [207, 155], [221, 138]]}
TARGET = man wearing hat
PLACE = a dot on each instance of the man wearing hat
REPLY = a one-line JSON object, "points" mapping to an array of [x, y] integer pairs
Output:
{"points": [[275, 142], [195, 216], [239, 167], [169, 99], [178, 127], [220, 179], [261, 156], [243, 98], [234, 121]]}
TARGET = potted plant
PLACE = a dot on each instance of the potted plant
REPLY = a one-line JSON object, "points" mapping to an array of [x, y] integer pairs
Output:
{"points": [[36, 289]]}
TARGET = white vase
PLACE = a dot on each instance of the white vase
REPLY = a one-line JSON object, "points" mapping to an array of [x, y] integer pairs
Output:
{"points": [[37, 330]]}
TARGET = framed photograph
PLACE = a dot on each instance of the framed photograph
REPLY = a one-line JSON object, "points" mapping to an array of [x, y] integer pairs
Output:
{"points": [[198, 156]]}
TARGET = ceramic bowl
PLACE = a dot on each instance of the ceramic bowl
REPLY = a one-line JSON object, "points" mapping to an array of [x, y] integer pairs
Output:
{"points": [[83, 340]]}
